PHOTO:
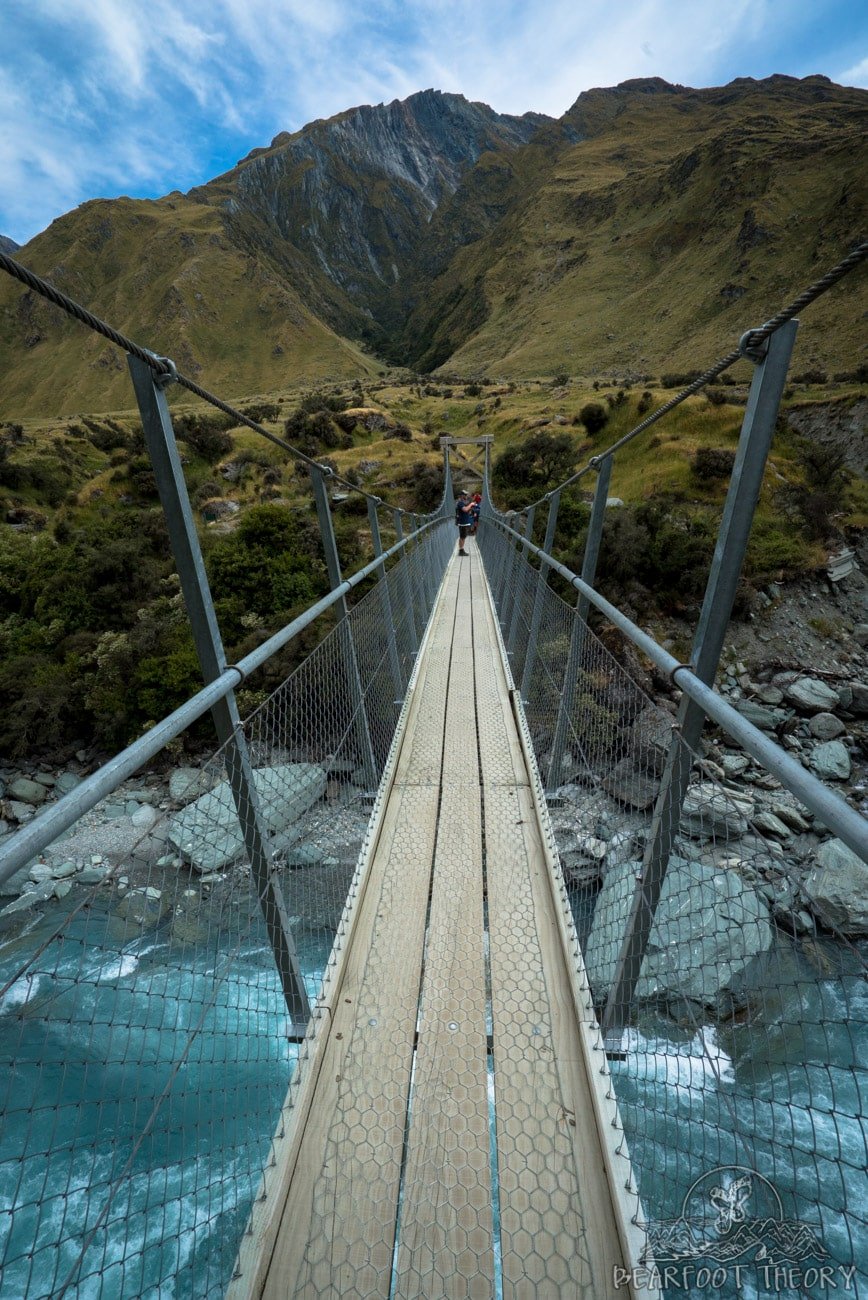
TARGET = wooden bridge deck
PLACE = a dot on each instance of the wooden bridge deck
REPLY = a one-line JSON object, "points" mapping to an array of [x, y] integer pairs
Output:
{"points": [[445, 1136]]}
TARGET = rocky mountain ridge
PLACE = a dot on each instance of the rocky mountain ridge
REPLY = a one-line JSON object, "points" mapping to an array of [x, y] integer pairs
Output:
{"points": [[638, 232]]}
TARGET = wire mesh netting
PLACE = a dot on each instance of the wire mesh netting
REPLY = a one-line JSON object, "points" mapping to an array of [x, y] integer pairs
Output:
{"points": [[738, 1052], [146, 960]]}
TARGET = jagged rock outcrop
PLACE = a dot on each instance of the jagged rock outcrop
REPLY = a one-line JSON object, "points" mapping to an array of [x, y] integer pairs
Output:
{"points": [[354, 192]]}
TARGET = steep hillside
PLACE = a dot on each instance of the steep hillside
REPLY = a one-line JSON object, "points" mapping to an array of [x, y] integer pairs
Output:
{"points": [[355, 192], [166, 273], [8, 245], [640, 234], [679, 217]]}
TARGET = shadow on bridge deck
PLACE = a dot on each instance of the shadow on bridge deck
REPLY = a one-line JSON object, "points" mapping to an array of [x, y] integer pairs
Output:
{"points": [[449, 1131]]}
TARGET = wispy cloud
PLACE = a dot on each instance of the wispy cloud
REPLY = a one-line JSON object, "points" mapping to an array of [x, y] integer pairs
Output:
{"points": [[99, 97]]}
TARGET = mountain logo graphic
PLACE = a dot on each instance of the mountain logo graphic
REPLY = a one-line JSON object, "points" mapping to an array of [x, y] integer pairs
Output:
{"points": [[732, 1214]]}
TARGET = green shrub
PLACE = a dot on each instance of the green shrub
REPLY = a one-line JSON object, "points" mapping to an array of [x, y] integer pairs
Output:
{"points": [[594, 417], [710, 463], [541, 460], [206, 434]]}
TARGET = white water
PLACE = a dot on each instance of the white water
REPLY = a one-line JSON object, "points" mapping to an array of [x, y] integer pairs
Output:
{"points": [[96, 1035]]}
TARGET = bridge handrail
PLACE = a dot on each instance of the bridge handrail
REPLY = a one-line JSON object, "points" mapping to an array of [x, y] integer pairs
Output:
{"points": [[831, 809], [31, 839]]}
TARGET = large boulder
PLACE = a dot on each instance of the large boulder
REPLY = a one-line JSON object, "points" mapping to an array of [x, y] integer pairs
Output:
{"points": [[709, 811], [837, 888], [27, 791], [207, 833], [708, 926], [831, 761], [811, 695]]}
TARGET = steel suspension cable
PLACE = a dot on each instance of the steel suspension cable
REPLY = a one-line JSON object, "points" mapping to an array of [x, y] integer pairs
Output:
{"points": [[162, 366]]}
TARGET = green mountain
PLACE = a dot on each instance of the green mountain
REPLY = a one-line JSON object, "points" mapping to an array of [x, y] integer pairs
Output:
{"points": [[640, 233], [679, 218]]}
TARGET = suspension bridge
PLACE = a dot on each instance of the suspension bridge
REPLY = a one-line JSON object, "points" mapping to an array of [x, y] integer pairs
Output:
{"points": [[353, 1035]]}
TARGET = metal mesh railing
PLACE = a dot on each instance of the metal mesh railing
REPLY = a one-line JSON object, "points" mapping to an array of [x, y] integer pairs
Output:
{"points": [[739, 1062], [141, 1006]]}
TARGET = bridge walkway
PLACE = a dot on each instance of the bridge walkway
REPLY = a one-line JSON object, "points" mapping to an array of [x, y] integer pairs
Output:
{"points": [[446, 1144]]}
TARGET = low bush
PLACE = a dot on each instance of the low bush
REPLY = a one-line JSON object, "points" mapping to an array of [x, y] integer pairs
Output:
{"points": [[594, 417], [710, 463]]}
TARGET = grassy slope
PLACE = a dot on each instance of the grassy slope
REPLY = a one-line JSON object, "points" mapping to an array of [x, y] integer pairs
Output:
{"points": [[164, 273], [635, 251]]}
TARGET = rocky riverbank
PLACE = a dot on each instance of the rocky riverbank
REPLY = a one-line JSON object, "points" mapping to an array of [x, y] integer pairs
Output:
{"points": [[163, 843]]}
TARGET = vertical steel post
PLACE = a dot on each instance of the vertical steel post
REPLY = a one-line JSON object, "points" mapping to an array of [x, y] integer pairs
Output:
{"points": [[385, 601], [404, 563], [160, 439], [580, 622], [354, 681], [541, 584], [511, 520], [448, 503], [520, 566], [755, 441]]}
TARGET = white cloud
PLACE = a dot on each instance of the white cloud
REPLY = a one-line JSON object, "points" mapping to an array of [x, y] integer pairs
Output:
{"points": [[103, 96], [855, 76]]}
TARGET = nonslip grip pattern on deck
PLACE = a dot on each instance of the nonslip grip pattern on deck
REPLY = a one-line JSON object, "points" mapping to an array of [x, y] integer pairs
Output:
{"points": [[376, 1208]]}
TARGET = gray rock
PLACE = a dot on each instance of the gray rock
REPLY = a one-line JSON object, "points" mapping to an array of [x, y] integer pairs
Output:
{"points": [[18, 811], [831, 761], [39, 894], [709, 924], [185, 783], [144, 817], [837, 888], [92, 875], [67, 781], [13, 885], [825, 726], [630, 786], [207, 833], [770, 694], [768, 824], [811, 695], [860, 634], [144, 907], [792, 817], [734, 764], [764, 718], [710, 810], [859, 700], [650, 740], [26, 791]]}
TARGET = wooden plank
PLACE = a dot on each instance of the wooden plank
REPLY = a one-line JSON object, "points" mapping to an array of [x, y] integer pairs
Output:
{"points": [[558, 1231], [628, 1216], [500, 752], [337, 1229], [419, 763], [445, 1246], [544, 1243], [337, 1226], [597, 1244]]}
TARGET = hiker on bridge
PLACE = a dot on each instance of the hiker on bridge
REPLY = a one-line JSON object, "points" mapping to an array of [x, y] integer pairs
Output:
{"points": [[463, 518], [475, 506]]}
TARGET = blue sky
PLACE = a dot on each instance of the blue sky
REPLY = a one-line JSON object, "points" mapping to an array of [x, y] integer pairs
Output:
{"points": [[106, 97]]}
